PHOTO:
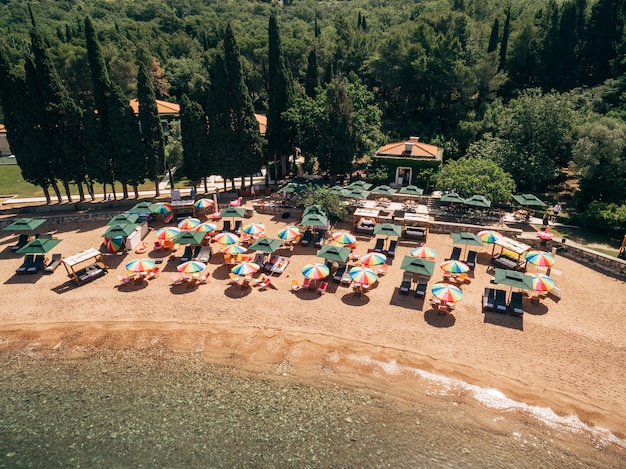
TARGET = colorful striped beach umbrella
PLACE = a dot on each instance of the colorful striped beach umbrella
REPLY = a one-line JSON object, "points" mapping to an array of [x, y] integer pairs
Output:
{"points": [[543, 283], [372, 259], [343, 239], [447, 293], [489, 236], [137, 266], [289, 233], [226, 239], [167, 233], [203, 203], [162, 208], [188, 224], [423, 252], [191, 267], [245, 269], [315, 271], [114, 244], [205, 227], [233, 249], [540, 258], [454, 267], [364, 276], [254, 229]]}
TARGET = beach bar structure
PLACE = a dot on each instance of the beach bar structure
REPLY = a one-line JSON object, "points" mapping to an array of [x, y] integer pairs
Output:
{"points": [[365, 219], [85, 266], [510, 254], [415, 225]]}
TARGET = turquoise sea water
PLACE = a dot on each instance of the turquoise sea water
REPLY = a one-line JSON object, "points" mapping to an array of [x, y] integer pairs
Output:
{"points": [[156, 408]]}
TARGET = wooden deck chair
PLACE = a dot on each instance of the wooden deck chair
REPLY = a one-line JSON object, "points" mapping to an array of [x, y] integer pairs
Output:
{"points": [[322, 288], [295, 286]]}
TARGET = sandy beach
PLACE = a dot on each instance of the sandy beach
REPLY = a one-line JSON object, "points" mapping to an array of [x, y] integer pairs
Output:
{"points": [[566, 355]]}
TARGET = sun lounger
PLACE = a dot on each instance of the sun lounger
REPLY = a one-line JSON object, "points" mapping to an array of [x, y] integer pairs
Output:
{"points": [[55, 260], [489, 298], [21, 242], [319, 238], [295, 286], [515, 306], [186, 254], [37, 265], [405, 286], [339, 273], [226, 227], [415, 232], [456, 254], [280, 265], [259, 258], [153, 273], [196, 252], [500, 305], [380, 245], [307, 237], [391, 251], [28, 261], [205, 254], [322, 288], [346, 279], [238, 227], [234, 279], [471, 259], [306, 284], [420, 288]]}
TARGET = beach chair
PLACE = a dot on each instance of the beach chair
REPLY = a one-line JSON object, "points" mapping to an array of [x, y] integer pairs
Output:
{"points": [[226, 227], [515, 305], [339, 273], [177, 279], [234, 279], [456, 254], [265, 283], [391, 251], [238, 227], [306, 284], [380, 245], [157, 246], [500, 305], [205, 254], [489, 298], [37, 265], [322, 288], [196, 252], [153, 273], [381, 270], [346, 279], [51, 266], [420, 288], [307, 237], [319, 238], [124, 280], [471, 259], [186, 254], [405, 286], [28, 261], [295, 286], [259, 258], [22, 240]]}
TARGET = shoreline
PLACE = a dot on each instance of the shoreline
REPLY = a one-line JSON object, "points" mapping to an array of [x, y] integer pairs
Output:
{"points": [[566, 356], [315, 358]]}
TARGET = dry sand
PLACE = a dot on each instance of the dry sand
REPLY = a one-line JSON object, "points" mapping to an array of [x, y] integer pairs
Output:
{"points": [[567, 355]]}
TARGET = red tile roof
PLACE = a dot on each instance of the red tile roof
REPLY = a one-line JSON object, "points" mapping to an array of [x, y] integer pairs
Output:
{"points": [[163, 107], [411, 148]]}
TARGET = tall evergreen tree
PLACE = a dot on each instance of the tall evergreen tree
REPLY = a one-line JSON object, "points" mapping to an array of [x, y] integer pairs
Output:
{"points": [[281, 96], [506, 32], [194, 133], [495, 35], [99, 71], [312, 79], [248, 149], [150, 126]]}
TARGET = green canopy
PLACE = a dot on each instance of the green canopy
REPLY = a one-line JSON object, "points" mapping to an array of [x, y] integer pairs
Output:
{"points": [[360, 185], [122, 230], [351, 193], [334, 253], [314, 209], [143, 207], [513, 278], [124, 218], [478, 200], [292, 187], [38, 246], [25, 224], [528, 200], [452, 198], [189, 237], [411, 190], [314, 219], [418, 266], [233, 212], [266, 244], [387, 229], [466, 238], [337, 188], [384, 190]]}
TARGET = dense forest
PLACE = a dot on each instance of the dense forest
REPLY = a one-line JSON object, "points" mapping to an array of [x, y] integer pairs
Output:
{"points": [[536, 87]]}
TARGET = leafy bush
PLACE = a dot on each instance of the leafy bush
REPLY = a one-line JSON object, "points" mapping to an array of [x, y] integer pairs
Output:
{"points": [[326, 198], [600, 216]]}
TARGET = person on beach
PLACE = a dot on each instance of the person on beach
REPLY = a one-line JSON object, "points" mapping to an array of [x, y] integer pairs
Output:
{"points": [[546, 220], [556, 210]]}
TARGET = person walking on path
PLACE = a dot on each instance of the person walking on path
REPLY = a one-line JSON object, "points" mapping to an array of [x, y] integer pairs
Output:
{"points": [[556, 210], [546, 220]]}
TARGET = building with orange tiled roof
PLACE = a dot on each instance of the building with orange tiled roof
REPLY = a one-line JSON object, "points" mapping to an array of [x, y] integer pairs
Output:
{"points": [[404, 160]]}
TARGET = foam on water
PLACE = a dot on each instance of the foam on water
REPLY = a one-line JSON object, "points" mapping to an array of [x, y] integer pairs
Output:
{"points": [[491, 398]]}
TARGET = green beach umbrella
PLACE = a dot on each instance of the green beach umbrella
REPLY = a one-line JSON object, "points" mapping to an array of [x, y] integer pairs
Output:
{"points": [[384, 190], [189, 237], [315, 220], [351, 193], [119, 230], [478, 201], [467, 239], [452, 198], [411, 190], [124, 218], [513, 278], [418, 266], [360, 185], [38, 246], [143, 207], [387, 229], [25, 224], [233, 212], [266, 244], [334, 253], [528, 200], [317, 209]]}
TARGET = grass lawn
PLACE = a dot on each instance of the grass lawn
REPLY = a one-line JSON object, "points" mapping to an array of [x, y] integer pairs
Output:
{"points": [[12, 183]]}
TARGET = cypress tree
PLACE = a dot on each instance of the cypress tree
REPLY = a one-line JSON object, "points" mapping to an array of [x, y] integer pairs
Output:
{"points": [[281, 96], [493, 38], [505, 40], [150, 126], [604, 34], [99, 72], [194, 133], [312, 80]]}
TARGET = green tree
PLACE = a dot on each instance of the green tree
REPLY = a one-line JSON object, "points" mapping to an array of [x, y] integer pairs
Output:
{"points": [[330, 201], [281, 96], [468, 176], [312, 79], [150, 126], [194, 133], [494, 37]]}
